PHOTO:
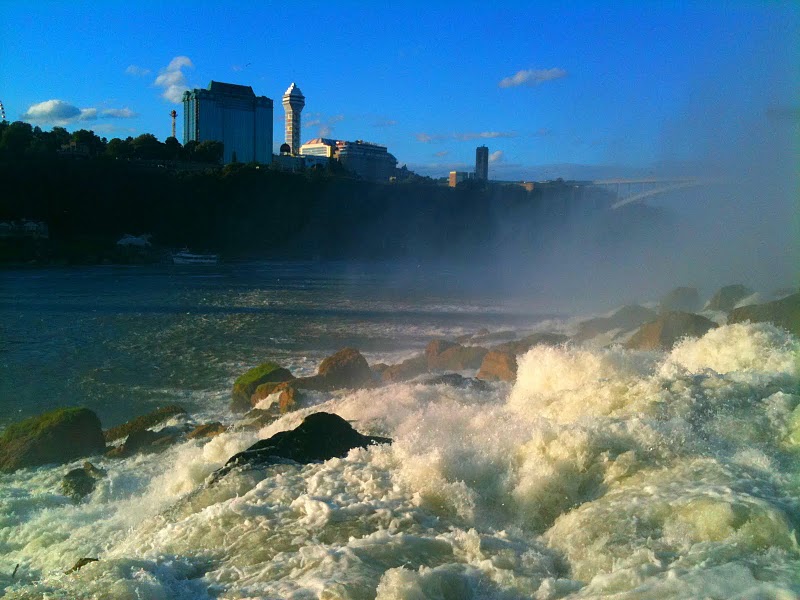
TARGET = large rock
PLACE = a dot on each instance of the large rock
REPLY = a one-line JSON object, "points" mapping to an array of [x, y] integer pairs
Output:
{"points": [[449, 356], [726, 298], [408, 369], [625, 319], [457, 381], [681, 299], [783, 313], [58, 436], [207, 430], [664, 332], [246, 384], [144, 422], [535, 339], [498, 366], [345, 369], [321, 436], [145, 442]]}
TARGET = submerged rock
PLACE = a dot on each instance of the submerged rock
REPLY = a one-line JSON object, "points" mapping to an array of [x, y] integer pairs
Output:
{"points": [[458, 381], [246, 384], [408, 369], [207, 430], [664, 332], [726, 298], [443, 355], [80, 482], [321, 436], [535, 339], [681, 299], [144, 422], [145, 441], [783, 313], [81, 562], [57, 436]]}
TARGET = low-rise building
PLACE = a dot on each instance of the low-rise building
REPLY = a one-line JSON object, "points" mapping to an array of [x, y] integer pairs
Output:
{"points": [[457, 177]]}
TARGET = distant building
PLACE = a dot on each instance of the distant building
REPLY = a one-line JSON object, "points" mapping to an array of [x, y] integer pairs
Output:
{"points": [[482, 163], [231, 114], [319, 147], [369, 161], [293, 103], [457, 177]]}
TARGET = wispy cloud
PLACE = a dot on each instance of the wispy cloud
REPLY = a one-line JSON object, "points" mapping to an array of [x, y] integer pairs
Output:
{"points": [[173, 80], [441, 153], [324, 123], [137, 71], [384, 123], [496, 156], [61, 113], [532, 77], [427, 138]]}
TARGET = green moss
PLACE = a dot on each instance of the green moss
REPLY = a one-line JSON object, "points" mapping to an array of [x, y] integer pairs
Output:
{"points": [[256, 374], [246, 384], [35, 426]]}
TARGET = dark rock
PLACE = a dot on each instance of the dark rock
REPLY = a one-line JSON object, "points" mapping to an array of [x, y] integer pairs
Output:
{"points": [[57, 436], [320, 437], [144, 422], [246, 384], [626, 318], [145, 441], [528, 342], [664, 332], [681, 299], [728, 297], [458, 381], [498, 366], [449, 356], [783, 313], [80, 482], [259, 417], [207, 430], [82, 562], [408, 369]]}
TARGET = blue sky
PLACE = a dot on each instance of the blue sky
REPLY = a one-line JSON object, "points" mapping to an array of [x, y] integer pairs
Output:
{"points": [[625, 85]]}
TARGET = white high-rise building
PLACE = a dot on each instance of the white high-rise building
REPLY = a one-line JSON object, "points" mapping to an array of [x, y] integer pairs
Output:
{"points": [[293, 103]]}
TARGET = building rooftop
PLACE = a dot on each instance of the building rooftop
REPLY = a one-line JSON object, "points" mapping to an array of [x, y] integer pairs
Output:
{"points": [[231, 88], [293, 90], [326, 141]]}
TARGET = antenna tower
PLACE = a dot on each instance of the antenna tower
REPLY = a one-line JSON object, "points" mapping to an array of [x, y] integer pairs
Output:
{"points": [[2, 112], [173, 114]]}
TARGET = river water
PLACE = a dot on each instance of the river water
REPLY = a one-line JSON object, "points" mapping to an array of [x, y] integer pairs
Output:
{"points": [[600, 473]]}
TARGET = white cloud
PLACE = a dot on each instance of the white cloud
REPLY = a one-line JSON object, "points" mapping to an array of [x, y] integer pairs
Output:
{"points": [[119, 113], [61, 113], [496, 156], [532, 77], [385, 123], [441, 153], [136, 71], [173, 80], [427, 138]]}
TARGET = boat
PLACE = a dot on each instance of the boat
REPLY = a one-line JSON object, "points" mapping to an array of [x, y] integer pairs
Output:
{"points": [[186, 257]]}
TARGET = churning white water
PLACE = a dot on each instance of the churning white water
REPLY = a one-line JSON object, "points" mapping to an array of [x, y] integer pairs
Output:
{"points": [[601, 473]]}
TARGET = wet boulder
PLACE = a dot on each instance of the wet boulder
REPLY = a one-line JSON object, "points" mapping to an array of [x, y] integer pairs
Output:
{"points": [[726, 298], [320, 437], [80, 482], [443, 355], [457, 381], [498, 366], [143, 422], [347, 368], [207, 430], [57, 436], [408, 369], [535, 339], [783, 313], [247, 383], [626, 318], [145, 442], [667, 329], [681, 299]]}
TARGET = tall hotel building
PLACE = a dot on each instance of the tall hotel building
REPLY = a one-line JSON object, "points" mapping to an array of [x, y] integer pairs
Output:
{"points": [[231, 114], [482, 163], [293, 103]]}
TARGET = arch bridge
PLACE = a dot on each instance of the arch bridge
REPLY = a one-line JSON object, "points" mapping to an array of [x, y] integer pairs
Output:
{"points": [[628, 191]]}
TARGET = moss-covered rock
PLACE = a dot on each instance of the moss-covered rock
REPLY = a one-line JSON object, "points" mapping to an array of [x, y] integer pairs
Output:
{"points": [[247, 383], [144, 422], [57, 436]]}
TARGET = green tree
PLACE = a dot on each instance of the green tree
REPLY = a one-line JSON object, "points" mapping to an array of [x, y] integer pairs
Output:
{"points": [[17, 138], [147, 146], [120, 149], [172, 148], [84, 137]]}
